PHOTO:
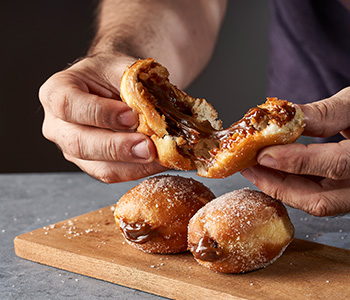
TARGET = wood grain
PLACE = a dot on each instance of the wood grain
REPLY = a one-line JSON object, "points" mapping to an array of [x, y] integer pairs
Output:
{"points": [[91, 245]]}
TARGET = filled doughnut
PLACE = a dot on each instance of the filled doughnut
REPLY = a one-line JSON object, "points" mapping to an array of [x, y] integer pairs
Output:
{"points": [[241, 231], [187, 133], [153, 216]]}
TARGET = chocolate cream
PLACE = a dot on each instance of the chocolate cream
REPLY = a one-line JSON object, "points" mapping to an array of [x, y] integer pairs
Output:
{"points": [[137, 232], [207, 249], [181, 123]]}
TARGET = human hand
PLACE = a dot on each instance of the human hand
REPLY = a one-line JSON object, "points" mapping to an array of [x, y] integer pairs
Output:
{"points": [[94, 129], [314, 178]]}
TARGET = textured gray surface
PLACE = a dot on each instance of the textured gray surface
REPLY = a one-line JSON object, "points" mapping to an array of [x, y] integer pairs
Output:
{"points": [[31, 201]]}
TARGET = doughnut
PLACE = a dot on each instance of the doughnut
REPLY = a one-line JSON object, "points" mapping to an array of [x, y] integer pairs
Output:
{"points": [[240, 231], [187, 132], [153, 216]]}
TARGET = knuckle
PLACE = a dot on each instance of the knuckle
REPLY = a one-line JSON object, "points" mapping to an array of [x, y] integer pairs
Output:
{"points": [[95, 112], [275, 191], [325, 110], [319, 207], [119, 149], [291, 158], [340, 166], [53, 96], [46, 130], [112, 149], [72, 144], [298, 164], [61, 107]]}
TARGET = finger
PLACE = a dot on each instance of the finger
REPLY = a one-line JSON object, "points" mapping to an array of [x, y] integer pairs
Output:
{"points": [[113, 172], [328, 117], [323, 198], [326, 160], [90, 143], [69, 99]]}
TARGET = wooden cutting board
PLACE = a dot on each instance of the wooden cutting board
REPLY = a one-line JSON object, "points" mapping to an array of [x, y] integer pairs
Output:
{"points": [[91, 245]]}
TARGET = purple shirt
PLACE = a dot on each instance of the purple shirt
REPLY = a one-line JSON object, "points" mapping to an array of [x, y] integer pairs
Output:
{"points": [[310, 49]]}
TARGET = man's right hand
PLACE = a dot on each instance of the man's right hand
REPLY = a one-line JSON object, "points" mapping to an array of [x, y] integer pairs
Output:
{"points": [[94, 129]]}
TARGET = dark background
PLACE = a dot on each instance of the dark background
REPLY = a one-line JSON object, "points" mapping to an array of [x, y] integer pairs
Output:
{"points": [[41, 37]]}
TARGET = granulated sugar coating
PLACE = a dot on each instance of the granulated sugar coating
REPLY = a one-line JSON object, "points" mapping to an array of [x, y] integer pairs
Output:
{"points": [[153, 216], [240, 231]]}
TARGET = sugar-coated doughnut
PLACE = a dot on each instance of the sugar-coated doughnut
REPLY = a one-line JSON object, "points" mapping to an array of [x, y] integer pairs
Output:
{"points": [[153, 216], [187, 133], [240, 231]]}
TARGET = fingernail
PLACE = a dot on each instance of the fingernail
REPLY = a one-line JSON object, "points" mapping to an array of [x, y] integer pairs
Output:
{"points": [[268, 161], [248, 173], [141, 150], [128, 119]]}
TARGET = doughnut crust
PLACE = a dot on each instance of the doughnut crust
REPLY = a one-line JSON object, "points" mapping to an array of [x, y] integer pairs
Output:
{"points": [[241, 231], [153, 216], [187, 132]]}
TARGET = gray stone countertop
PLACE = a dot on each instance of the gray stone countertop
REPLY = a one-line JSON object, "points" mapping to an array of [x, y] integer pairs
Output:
{"points": [[31, 201]]}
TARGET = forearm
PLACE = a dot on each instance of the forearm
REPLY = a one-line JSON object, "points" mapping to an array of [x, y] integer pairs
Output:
{"points": [[179, 34]]}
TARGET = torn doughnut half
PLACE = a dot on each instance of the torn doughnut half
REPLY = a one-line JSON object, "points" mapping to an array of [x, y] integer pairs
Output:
{"points": [[187, 132]]}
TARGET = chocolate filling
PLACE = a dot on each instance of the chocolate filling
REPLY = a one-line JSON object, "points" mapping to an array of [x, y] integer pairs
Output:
{"points": [[207, 249], [137, 232], [181, 122]]}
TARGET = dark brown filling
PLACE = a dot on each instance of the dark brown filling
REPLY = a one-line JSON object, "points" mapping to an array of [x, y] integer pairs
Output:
{"points": [[181, 123], [207, 249], [138, 232]]}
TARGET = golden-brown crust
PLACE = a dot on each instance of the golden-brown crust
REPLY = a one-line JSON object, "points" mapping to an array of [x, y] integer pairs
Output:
{"points": [[175, 152], [151, 122], [165, 203], [244, 151], [250, 229], [133, 93]]}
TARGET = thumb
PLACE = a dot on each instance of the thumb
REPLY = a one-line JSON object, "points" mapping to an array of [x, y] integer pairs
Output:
{"points": [[329, 116]]}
